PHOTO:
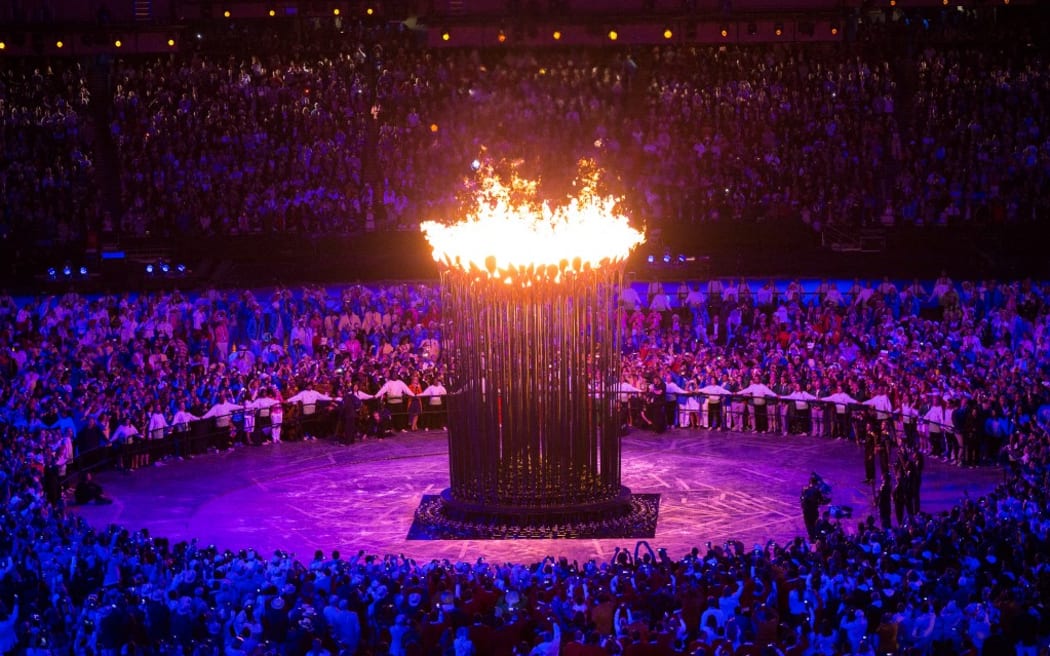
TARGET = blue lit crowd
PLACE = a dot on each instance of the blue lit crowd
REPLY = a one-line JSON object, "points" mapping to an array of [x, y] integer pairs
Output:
{"points": [[967, 581]]}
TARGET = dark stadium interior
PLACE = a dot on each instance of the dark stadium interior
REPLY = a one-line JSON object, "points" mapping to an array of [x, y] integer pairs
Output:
{"points": [[226, 374]]}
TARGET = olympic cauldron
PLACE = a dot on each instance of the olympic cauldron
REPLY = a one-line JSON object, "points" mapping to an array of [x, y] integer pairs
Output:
{"points": [[529, 293]]}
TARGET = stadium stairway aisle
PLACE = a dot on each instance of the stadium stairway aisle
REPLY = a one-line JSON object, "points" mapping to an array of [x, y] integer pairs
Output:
{"points": [[107, 164]]}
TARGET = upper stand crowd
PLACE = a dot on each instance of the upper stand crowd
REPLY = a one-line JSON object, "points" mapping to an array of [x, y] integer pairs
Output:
{"points": [[363, 129]]}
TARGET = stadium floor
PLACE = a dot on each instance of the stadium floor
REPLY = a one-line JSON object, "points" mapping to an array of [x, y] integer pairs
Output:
{"points": [[300, 497]]}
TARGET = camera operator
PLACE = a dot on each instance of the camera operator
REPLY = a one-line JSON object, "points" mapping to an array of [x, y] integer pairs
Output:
{"points": [[815, 494]]}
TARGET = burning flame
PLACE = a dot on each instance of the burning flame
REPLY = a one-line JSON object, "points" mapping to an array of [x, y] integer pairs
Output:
{"points": [[514, 236]]}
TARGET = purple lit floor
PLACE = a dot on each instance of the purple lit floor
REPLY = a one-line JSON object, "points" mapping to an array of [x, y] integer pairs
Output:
{"points": [[319, 495]]}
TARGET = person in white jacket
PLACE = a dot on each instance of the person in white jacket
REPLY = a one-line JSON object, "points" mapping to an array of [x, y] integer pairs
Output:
{"points": [[180, 429], [393, 392], [156, 426], [309, 398], [933, 423], [222, 412]]}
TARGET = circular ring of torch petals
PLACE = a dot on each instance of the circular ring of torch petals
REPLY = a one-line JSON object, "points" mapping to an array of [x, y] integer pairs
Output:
{"points": [[521, 241]]}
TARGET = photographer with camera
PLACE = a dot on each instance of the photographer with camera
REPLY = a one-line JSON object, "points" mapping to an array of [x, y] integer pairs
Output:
{"points": [[814, 495]]}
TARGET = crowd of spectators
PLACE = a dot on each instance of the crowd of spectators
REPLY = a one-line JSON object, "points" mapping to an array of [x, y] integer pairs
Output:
{"points": [[707, 133], [979, 345], [277, 144], [378, 132], [972, 580], [123, 359], [47, 184]]}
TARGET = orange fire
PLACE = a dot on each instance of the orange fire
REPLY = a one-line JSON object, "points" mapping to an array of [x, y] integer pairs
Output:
{"points": [[513, 235]]}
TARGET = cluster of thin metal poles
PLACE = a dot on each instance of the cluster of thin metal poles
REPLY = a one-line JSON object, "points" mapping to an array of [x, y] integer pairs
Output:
{"points": [[532, 415]]}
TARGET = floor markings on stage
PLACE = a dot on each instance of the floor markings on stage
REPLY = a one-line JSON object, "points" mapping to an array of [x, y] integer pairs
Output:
{"points": [[715, 487], [762, 474], [598, 549]]}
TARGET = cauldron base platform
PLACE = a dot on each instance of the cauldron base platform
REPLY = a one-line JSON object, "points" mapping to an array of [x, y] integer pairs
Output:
{"points": [[434, 521]]}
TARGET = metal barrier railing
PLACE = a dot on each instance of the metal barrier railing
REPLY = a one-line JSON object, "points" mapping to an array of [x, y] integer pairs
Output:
{"points": [[329, 419], [770, 414]]}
